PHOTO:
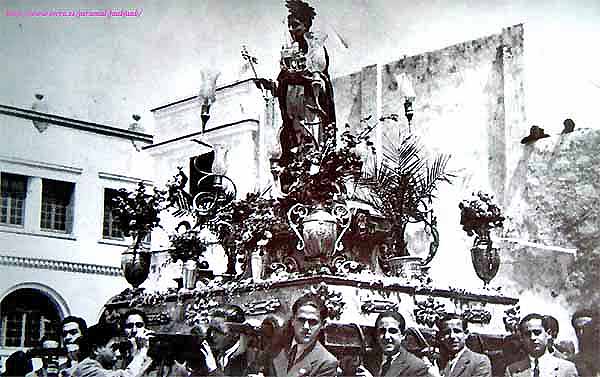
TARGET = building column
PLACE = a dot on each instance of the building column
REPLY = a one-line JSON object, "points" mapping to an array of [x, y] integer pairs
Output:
{"points": [[33, 204]]}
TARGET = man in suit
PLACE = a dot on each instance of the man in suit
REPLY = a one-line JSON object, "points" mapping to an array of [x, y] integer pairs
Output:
{"points": [[456, 359], [225, 351], [305, 356], [539, 362], [393, 360]]}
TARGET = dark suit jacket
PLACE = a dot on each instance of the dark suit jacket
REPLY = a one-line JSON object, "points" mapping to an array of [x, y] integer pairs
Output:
{"points": [[550, 366], [471, 364], [587, 364], [404, 365], [237, 366], [314, 361]]}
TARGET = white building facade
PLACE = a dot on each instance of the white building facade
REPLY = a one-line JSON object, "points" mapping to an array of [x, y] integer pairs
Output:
{"points": [[60, 245]]}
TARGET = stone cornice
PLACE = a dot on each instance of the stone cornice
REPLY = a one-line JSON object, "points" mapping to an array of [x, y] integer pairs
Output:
{"points": [[193, 98], [208, 133], [74, 123], [58, 265], [123, 178], [41, 164]]}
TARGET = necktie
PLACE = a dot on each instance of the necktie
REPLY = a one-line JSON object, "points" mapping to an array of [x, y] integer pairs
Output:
{"points": [[386, 366], [536, 368], [292, 356], [448, 369]]}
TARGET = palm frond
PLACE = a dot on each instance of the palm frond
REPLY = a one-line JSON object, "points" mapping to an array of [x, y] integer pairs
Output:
{"points": [[404, 182]]}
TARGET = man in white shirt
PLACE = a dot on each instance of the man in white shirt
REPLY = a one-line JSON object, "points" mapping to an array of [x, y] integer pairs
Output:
{"points": [[101, 345], [539, 363], [456, 358]]}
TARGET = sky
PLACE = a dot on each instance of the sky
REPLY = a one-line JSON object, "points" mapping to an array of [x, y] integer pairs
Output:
{"points": [[103, 69]]}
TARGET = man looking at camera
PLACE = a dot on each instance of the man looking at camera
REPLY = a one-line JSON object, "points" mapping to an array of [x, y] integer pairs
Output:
{"points": [[134, 328], [73, 328], [539, 362], [305, 355], [393, 360], [456, 358]]}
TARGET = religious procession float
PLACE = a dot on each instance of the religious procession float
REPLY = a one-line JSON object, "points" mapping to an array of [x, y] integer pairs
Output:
{"points": [[331, 224]]}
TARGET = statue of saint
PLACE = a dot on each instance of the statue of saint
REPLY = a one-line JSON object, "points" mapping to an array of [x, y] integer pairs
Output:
{"points": [[304, 89]]}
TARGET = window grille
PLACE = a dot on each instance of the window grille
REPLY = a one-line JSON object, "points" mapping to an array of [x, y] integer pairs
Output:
{"points": [[13, 190]]}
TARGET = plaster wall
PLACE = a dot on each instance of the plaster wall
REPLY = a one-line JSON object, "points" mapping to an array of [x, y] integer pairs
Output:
{"points": [[471, 104], [33, 258], [57, 153]]}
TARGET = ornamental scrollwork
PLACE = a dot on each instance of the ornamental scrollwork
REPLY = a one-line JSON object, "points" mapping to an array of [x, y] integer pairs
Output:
{"points": [[333, 300], [197, 311], [344, 219], [262, 307], [428, 311], [147, 299], [343, 266], [378, 306], [295, 216], [157, 319], [477, 316], [511, 319]]}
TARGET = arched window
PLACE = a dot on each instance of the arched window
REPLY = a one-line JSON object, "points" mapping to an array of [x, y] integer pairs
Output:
{"points": [[27, 315]]}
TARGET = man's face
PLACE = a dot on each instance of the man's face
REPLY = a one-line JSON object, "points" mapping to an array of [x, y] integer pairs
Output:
{"points": [[452, 336], [71, 334], [134, 323], [535, 338], [389, 335], [296, 28], [307, 324], [109, 354], [220, 336]]}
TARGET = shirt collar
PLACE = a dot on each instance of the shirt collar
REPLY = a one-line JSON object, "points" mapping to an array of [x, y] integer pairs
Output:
{"points": [[458, 355], [300, 348], [227, 355], [384, 357]]}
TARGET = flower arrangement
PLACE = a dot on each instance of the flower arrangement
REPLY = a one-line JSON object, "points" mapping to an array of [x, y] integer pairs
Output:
{"points": [[187, 245], [138, 211], [478, 215], [246, 224], [316, 174]]}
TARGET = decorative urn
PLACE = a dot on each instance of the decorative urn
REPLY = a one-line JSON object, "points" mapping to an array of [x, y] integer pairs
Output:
{"points": [[135, 262]]}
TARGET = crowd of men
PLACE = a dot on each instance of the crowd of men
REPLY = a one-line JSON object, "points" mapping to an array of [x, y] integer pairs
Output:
{"points": [[221, 349]]}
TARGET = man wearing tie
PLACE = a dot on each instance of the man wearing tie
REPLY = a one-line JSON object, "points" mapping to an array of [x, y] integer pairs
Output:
{"points": [[393, 360], [305, 356], [456, 359], [539, 363]]}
